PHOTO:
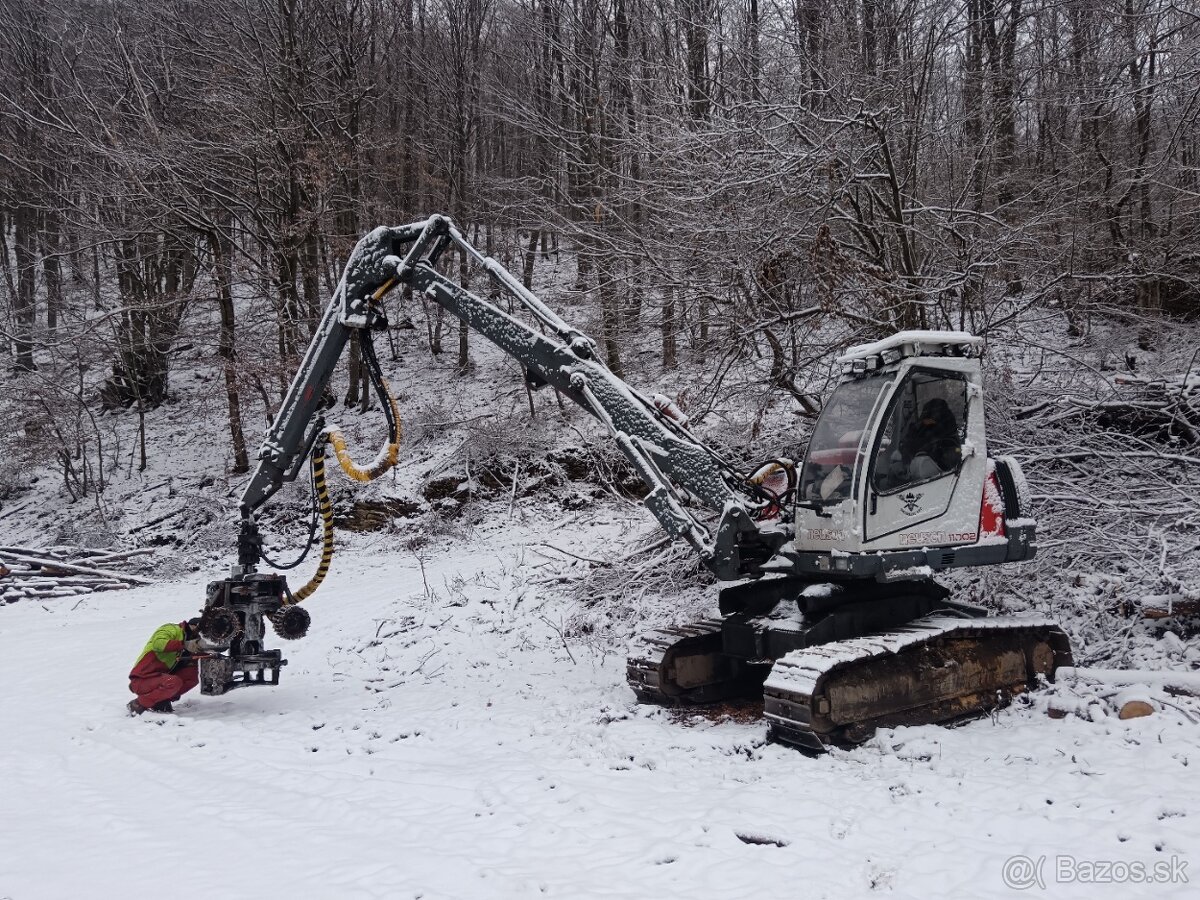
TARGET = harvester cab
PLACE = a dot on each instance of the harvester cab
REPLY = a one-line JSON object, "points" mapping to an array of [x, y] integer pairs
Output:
{"points": [[849, 631], [897, 479]]}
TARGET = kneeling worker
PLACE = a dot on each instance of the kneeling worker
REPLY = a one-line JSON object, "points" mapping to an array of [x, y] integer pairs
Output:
{"points": [[167, 668]]}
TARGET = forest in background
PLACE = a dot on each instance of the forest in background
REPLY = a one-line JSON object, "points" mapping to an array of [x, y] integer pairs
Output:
{"points": [[738, 185]]}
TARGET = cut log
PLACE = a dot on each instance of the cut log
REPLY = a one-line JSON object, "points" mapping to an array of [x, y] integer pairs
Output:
{"points": [[1135, 709], [32, 551], [1165, 607], [106, 557]]}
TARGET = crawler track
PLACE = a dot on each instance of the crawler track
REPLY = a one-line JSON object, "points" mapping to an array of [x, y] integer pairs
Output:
{"points": [[936, 669], [684, 664]]}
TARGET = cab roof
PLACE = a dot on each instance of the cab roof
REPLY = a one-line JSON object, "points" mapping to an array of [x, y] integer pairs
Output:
{"points": [[915, 343]]}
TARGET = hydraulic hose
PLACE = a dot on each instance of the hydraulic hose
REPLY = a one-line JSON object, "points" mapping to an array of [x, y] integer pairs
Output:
{"points": [[325, 509], [383, 462], [390, 451]]}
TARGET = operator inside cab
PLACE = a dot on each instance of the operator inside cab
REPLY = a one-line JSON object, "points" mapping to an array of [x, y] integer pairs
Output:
{"points": [[931, 445]]}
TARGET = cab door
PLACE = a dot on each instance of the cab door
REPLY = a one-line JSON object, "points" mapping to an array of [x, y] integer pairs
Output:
{"points": [[924, 451]]}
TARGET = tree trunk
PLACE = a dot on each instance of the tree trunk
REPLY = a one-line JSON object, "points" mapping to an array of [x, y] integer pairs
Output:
{"points": [[310, 278], [695, 25], [609, 316], [669, 360], [25, 246], [52, 269], [530, 255], [222, 256]]}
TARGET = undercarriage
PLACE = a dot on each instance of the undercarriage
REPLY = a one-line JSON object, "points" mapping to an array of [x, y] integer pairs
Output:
{"points": [[833, 662]]}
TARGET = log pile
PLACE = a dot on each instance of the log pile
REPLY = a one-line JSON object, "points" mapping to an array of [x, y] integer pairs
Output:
{"points": [[1097, 694], [28, 573]]}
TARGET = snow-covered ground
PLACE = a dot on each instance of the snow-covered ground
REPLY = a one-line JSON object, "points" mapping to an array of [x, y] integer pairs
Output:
{"points": [[441, 734]]}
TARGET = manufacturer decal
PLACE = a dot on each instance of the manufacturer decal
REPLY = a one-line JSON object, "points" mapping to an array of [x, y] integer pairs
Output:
{"points": [[937, 538], [826, 534], [910, 503]]}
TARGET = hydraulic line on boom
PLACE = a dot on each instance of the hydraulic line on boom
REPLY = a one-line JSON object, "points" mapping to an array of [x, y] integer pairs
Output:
{"points": [[382, 463]]}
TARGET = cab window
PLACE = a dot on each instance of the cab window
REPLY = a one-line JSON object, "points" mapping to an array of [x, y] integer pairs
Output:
{"points": [[833, 450], [925, 430]]}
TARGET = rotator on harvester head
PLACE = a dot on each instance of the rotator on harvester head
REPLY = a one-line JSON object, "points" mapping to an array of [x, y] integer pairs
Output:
{"points": [[837, 624]]}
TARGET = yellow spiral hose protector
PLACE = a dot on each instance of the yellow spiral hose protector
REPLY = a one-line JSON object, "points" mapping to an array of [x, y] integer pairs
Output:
{"points": [[387, 456], [326, 510], [386, 459]]}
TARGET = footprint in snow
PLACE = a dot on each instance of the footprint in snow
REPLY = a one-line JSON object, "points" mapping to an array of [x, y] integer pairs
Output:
{"points": [[761, 840]]}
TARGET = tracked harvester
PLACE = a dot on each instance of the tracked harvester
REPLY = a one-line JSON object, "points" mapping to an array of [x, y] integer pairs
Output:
{"points": [[835, 619], [847, 630]]}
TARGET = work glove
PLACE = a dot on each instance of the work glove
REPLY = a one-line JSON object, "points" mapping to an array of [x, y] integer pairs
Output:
{"points": [[193, 646]]}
